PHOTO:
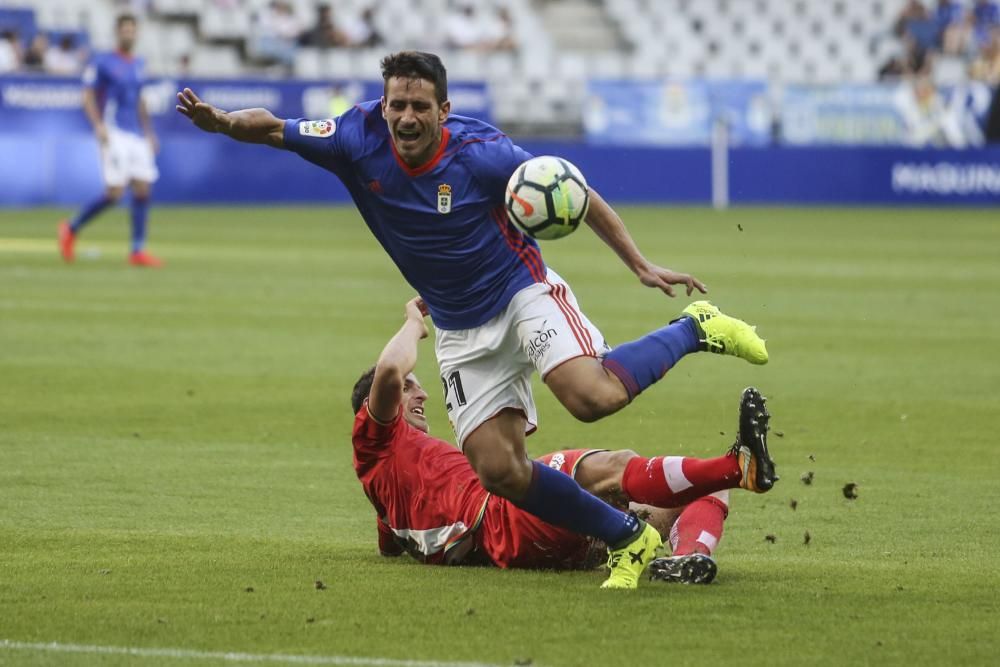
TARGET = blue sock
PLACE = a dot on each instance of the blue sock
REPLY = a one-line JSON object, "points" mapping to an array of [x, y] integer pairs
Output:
{"points": [[89, 212], [555, 497], [140, 211], [642, 362]]}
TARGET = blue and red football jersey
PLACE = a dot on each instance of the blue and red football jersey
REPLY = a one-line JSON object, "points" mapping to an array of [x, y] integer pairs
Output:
{"points": [[117, 80], [443, 223]]}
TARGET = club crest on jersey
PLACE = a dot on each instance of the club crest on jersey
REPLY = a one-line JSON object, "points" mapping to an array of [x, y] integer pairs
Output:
{"points": [[317, 128], [444, 198]]}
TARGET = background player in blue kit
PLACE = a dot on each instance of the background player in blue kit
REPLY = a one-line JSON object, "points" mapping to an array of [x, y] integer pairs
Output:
{"points": [[112, 100], [490, 295]]}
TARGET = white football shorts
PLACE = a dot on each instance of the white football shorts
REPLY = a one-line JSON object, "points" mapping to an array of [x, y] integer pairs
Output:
{"points": [[487, 369], [127, 157]]}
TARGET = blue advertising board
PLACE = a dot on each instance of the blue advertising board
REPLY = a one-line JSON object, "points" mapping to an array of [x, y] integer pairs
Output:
{"points": [[676, 112], [903, 114], [48, 154], [31, 101]]}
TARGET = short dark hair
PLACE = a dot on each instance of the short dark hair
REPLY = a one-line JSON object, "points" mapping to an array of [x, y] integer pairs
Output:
{"points": [[125, 18], [417, 65], [362, 388]]}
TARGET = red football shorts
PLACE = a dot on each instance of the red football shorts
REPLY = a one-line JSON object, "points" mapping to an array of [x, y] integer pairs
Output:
{"points": [[512, 537]]}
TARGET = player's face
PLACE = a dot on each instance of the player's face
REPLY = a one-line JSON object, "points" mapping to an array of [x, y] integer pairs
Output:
{"points": [[413, 403], [126, 36], [411, 110]]}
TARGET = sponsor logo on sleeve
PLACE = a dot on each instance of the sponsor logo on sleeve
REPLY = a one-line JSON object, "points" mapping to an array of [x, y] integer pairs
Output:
{"points": [[317, 128]]}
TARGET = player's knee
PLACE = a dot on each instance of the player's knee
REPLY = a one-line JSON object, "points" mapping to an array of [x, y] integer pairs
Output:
{"points": [[591, 404], [619, 458], [114, 194], [508, 479]]}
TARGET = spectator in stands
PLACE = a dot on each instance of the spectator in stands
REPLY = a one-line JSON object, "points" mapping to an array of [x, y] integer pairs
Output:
{"points": [[10, 51], [983, 19], [184, 65], [986, 66], [992, 129], [500, 31], [914, 24], [949, 21], [276, 33], [927, 118], [361, 31], [34, 56], [64, 58], [466, 28], [324, 34], [912, 62]]}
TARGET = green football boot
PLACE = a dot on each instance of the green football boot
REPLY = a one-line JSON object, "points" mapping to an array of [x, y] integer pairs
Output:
{"points": [[628, 562], [723, 334]]}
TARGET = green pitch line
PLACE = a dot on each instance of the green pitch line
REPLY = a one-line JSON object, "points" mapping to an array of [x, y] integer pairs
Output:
{"points": [[175, 470]]}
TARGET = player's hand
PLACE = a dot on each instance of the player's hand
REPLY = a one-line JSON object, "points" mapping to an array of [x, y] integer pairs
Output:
{"points": [[154, 143], [101, 132], [203, 115], [661, 278], [416, 310]]}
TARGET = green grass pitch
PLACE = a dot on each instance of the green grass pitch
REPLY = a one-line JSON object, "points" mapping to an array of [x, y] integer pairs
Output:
{"points": [[175, 467]]}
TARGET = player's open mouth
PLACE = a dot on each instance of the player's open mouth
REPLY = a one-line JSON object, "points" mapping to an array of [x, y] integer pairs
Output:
{"points": [[407, 135], [417, 411]]}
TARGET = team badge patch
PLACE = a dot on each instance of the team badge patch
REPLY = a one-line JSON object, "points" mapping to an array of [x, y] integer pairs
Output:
{"points": [[317, 128], [444, 198]]}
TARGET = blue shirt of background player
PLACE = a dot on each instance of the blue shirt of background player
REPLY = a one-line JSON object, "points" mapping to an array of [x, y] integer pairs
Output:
{"points": [[117, 81], [443, 223]]}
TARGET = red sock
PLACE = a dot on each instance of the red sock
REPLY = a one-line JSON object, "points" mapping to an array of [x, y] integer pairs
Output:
{"points": [[699, 527], [673, 481]]}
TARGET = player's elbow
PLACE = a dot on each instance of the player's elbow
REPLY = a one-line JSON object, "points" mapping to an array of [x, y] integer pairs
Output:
{"points": [[389, 374]]}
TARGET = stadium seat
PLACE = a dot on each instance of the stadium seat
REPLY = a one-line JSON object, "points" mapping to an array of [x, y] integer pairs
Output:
{"points": [[309, 65]]}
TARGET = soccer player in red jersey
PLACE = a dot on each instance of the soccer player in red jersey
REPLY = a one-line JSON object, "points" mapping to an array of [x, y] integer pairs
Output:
{"points": [[431, 504]]}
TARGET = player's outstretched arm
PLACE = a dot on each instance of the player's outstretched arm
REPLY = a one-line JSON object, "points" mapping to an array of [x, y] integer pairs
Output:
{"points": [[609, 228], [254, 126], [398, 358]]}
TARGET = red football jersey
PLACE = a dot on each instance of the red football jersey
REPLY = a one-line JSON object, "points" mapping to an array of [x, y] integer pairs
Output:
{"points": [[427, 496], [430, 502]]}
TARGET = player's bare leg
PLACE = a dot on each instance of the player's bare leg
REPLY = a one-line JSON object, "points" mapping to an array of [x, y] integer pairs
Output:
{"points": [[496, 452], [587, 389], [601, 474], [593, 388], [69, 230], [141, 191]]}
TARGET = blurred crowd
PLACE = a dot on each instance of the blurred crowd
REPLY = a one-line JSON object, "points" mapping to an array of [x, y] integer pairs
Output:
{"points": [[45, 53], [947, 45], [964, 32], [278, 33]]}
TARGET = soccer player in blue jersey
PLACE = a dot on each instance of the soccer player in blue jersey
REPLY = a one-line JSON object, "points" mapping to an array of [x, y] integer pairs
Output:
{"points": [[431, 188], [112, 100]]}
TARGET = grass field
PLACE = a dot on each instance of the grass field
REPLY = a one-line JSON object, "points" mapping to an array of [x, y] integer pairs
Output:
{"points": [[175, 467]]}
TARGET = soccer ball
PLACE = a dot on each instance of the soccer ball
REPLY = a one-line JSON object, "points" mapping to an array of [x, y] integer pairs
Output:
{"points": [[547, 197]]}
